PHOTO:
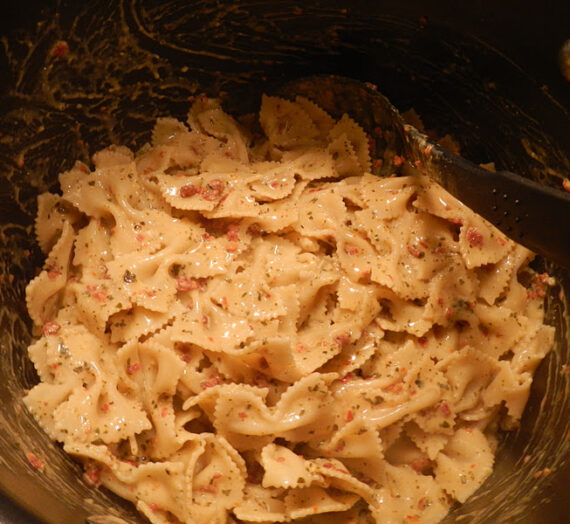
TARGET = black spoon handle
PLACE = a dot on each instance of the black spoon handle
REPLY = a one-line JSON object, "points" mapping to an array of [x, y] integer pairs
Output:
{"points": [[531, 214]]}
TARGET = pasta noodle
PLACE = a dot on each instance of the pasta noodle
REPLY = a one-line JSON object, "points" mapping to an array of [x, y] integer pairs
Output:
{"points": [[235, 328]]}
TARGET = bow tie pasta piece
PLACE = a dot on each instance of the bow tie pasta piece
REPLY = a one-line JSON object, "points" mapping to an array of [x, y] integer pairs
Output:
{"points": [[44, 293]]}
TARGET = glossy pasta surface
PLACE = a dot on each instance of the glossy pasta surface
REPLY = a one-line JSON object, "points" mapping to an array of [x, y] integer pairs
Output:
{"points": [[247, 326]]}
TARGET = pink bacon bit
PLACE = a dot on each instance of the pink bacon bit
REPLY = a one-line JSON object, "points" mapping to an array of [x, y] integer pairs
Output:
{"points": [[254, 229], [210, 382], [474, 237], [35, 461], [53, 274], [538, 286], [394, 387], [93, 475], [330, 465], [445, 409], [415, 252], [97, 292], [133, 368], [189, 190], [213, 190], [420, 465], [186, 284], [243, 415], [377, 164], [105, 407], [233, 232], [398, 160], [349, 417], [60, 49], [351, 250], [51, 328], [423, 342]]}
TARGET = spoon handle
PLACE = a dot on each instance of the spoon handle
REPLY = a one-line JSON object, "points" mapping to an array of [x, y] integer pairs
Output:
{"points": [[530, 213]]}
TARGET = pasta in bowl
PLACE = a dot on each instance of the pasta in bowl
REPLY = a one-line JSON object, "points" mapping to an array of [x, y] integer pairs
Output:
{"points": [[247, 325]]}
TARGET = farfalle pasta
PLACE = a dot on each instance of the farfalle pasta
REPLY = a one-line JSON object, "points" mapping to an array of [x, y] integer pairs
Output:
{"points": [[244, 328]]}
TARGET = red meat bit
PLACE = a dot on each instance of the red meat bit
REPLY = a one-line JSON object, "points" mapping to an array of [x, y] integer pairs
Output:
{"points": [[398, 160], [349, 249], [97, 293], [474, 237], [242, 414], [53, 274], [280, 459], [420, 464], [60, 49], [210, 382], [51, 328], [349, 417], [35, 461], [445, 409], [233, 232], [133, 368], [93, 475], [330, 465], [105, 407], [538, 286], [395, 387], [81, 166], [186, 284], [154, 506], [189, 190], [343, 338], [254, 229], [213, 190], [415, 252]]}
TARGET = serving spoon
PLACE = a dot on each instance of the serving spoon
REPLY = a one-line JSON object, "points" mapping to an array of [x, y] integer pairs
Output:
{"points": [[530, 213]]}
